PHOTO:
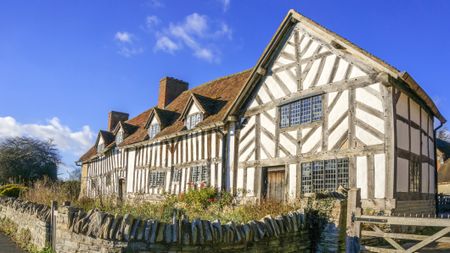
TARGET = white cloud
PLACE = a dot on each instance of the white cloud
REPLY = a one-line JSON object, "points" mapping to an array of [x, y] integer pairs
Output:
{"points": [[167, 45], [123, 37], [152, 21], [127, 44], [225, 4], [75, 142], [195, 23], [197, 33]]}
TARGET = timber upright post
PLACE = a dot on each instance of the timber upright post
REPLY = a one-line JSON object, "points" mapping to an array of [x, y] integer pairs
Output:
{"points": [[352, 244], [53, 211]]}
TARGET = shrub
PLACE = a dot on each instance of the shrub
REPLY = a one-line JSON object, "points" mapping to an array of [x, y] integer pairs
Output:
{"points": [[44, 191], [12, 190], [202, 197]]}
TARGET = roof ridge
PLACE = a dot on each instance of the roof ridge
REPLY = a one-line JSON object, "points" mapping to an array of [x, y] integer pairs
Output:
{"points": [[219, 79]]}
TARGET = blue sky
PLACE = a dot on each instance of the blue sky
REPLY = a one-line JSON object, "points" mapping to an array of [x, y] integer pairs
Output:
{"points": [[65, 64]]}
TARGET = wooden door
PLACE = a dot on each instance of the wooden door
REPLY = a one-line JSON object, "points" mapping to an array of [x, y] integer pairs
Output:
{"points": [[275, 184]]}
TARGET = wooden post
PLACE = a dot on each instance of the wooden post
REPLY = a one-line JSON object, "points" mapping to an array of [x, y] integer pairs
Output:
{"points": [[353, 209], [353, 227], [53, 206]]}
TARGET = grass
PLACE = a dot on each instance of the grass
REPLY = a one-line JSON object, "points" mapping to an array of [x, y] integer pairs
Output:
{"points": [[204, 203]]}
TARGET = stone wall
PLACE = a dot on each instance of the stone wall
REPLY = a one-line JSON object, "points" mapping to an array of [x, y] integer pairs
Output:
{"points": [[96, 231], [28, 216]]}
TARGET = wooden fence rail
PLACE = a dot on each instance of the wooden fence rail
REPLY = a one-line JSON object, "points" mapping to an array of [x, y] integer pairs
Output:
{"points": [[375, 224]]}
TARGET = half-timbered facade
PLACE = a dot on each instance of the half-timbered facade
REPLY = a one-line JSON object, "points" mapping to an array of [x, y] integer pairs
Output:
{"points": [[315, 113]]}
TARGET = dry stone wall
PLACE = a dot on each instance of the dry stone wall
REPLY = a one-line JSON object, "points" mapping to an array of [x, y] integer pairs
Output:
{"points": [[29, 216], [95, 231]]}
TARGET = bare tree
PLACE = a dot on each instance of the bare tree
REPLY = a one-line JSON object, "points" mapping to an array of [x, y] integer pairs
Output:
{"points": [[443, 134], [25, 160]]}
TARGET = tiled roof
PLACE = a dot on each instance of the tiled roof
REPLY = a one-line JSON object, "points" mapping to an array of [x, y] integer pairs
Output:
{"points": [[215, 96], [89, 154]]}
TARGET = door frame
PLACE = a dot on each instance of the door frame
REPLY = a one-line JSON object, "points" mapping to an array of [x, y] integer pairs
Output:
{"points": [[265, 180]]}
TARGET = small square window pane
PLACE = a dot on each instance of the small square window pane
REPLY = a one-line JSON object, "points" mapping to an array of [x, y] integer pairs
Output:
{"points": [[284, 113], [316, 108], [295, 112], [306, 178], [306, 110]]}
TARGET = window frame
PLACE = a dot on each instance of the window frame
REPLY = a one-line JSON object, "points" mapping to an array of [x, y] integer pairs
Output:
{"points": [[100, 147], [307, 110], [157, 179], [119, 137], [153, 130], [200, 174], [177, 175], [414, 176], [324, 175], [189, 123]]}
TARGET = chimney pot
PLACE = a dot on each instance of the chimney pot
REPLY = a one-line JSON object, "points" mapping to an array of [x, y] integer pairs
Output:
{"points": [[169, 89], [114, 118]]}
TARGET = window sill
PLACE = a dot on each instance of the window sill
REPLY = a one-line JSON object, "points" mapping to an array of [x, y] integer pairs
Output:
{"points": [[301, 126]]}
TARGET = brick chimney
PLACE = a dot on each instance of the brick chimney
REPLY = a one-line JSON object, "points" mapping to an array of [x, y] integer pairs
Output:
{"points": [[169, 89], [114, 118]]}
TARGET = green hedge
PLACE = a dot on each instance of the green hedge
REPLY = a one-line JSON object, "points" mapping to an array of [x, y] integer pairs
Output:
{"points": [[12, 190]]}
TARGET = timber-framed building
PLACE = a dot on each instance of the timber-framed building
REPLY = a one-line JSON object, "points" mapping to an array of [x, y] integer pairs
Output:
{"points": [[316, 112]]}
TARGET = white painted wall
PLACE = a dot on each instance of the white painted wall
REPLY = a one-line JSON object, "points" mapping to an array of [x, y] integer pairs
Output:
{"points": [[380, 175], [130, 169], [361, 175]]}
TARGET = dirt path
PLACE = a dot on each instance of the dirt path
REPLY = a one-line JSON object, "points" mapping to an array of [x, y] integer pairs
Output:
{"points": [[8, 246]]}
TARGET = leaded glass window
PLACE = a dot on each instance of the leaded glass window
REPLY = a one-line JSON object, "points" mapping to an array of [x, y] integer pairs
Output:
{"points": [[318, 176], [296, 110], [119, 136], [414, 176], [342, 172], [323, 176], [177, 175], [193, 119], [301, 111], [100, 147], [200, 174], [306, 178], [330, 175], [153, 130], [157, 179], [306, 110], [284, 113], [316, 108]]}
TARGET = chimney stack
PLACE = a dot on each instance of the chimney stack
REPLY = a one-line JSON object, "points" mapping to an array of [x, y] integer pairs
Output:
{"points": [[169, 89], [114, 118]]}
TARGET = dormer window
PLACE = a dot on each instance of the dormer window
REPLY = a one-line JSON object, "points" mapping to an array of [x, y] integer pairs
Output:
{"points": [[193, 119], [119, 136], [100, 147], [153, 130]]}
